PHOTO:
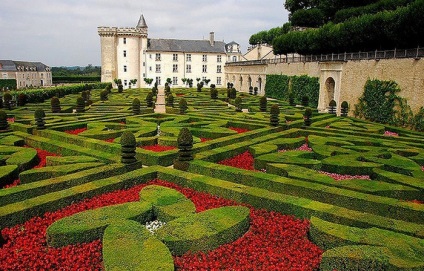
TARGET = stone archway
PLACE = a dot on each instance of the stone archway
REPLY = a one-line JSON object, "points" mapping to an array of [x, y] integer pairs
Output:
{"points": [[241, 83], [329, 90], [249, 81]]}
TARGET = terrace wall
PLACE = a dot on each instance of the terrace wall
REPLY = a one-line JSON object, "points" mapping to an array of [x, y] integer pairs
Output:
{"points": [[349, 77]]}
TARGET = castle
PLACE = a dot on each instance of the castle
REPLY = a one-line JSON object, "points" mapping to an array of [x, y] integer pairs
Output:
{"points": [[127, 54]]}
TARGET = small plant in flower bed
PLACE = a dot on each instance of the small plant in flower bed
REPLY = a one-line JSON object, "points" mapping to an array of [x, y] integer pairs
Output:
{"points": [[76, 131], [273, 242], [158, 148], [239, 130], [243, 161], [343, 177]]}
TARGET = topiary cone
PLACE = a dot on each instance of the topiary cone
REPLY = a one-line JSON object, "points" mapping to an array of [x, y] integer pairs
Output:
{"points": [[55, 104], [262, 104], [3, 120], [128, 146], [274, 118], [80, 105], [183, 106], [307, 117], [39, 116], [136, 106]]}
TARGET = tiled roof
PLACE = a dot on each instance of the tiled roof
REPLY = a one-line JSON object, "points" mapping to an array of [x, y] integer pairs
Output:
{"points": [[10, 65], [188, 46]]}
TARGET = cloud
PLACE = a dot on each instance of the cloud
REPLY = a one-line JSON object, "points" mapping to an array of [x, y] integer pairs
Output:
{"points": [[64, 32]]}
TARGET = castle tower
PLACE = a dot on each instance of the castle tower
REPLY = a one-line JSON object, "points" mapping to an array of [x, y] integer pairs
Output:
{"points": [[122, 52]]}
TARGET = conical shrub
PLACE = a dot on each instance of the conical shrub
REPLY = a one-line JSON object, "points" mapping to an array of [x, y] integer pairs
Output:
{"points": [[3, 120], [262, 104], [39, 116], [128, 146], [274, 117], [80, 105], [136, 106], [55, 105], [183, 106]]}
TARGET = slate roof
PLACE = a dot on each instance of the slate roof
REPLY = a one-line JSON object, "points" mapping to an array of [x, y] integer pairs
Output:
{"points": [[186, 46], [141, 22], [10, 65]]}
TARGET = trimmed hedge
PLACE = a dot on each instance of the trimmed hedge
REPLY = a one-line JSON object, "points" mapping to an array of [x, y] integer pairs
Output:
{"points": [[206, 230]]}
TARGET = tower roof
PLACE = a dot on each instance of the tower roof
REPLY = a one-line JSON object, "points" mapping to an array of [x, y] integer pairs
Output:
{"points": [[141, 22]]}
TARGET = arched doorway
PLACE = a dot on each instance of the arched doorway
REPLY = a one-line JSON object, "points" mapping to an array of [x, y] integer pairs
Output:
{"points": [[330, 85]]}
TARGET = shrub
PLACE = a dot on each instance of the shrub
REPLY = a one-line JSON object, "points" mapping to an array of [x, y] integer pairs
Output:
{"points": [[378, 101], [233, 93], [238, 103], [22, 99], [307, 117], [307, 17], [185, 146], [7, 97], [199, 86], [80, 105], [183, 106], [291, 99], [214, 92], [39, 116], [120, 88], [255, 90], [149, 99], [213, 86], [109, 87], [251, 90], [55, 105], [167, 90], [262, 103], [305, 101], [170, 100], [1, 103], [3, 120], [332, 107], [103, 94], [155, 90], [344, 109], [136, 106], [128, 146], [274, 115], [418, 121]]}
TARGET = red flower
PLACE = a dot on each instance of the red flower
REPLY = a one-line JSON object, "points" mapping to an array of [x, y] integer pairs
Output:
{"points": [[11, 120], [76, 131], [341, 177], [203, 139], [158, 148], [243, 161], [239, 130], [110, 140]]}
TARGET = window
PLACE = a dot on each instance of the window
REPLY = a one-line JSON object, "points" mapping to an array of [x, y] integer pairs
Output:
{"points": [[157, 57], [234, 58], [150, 56], [175, 68], [158, 80], [175, 80], [157, 68], [218, 69], [175, 57], [204, 68], [218, 81], [125, 53], [125, 82], [125, 68], [150, 68], [188, 68], [125, 40], [144, 64], [188, 57], [219, 58], [204, 58]]}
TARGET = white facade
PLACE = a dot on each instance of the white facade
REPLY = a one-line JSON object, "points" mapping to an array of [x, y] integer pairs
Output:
{"points": [[128, 54]]}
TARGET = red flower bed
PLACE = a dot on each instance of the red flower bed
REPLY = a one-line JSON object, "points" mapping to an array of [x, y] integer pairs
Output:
{"points": [[417, 201], [203, 139], [76, 131], [243, 161], [273, 242], [11, 120], [109, 140], [304, 147], [42, 154], [388, 133], [180, 94], [341, 177], [239, 130], [158, 148]]}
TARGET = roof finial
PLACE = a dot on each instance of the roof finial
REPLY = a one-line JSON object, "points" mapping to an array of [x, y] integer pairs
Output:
{"points": [[141, 22]]}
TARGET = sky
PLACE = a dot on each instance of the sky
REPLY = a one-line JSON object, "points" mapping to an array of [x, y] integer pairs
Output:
{"points": [[64, 32]]}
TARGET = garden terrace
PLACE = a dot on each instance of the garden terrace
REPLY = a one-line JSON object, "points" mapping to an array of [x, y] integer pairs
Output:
{"points": [[355, 187]]}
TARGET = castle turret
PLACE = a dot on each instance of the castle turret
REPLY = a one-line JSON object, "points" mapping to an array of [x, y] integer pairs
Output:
{"points": [[141, 22]]}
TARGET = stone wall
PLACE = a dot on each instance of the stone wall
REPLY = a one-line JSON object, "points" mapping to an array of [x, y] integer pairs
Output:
{"points": [[341, 81]]}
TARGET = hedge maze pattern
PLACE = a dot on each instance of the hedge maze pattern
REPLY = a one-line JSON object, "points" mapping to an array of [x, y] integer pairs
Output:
{"points": [[373, 221]]}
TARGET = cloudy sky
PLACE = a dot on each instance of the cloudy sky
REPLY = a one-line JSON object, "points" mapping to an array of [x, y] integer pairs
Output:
{"points": [[64, 32]]}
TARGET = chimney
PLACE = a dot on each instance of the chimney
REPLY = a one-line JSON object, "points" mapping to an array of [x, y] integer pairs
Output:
{"points": [[212, 38]]}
